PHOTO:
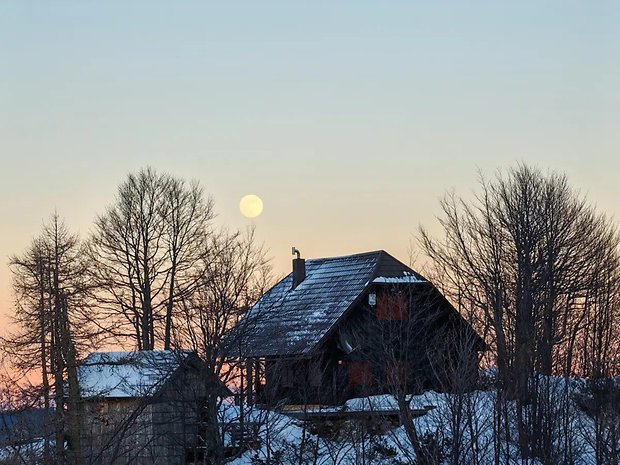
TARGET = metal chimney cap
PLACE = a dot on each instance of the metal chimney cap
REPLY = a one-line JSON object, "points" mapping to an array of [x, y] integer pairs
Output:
{"points": [[294, 251]]}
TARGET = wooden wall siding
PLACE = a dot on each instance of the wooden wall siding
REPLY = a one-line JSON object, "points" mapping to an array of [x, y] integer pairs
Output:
{"points": [[423, 354], [397, 373], [360, 373], [148, 431], [392, 307]]}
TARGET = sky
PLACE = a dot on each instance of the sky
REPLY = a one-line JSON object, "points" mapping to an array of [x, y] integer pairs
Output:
{"points": [[350, 119]]}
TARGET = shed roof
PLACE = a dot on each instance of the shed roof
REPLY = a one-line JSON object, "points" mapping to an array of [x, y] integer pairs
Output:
{"points": [[288, 321], [128, 374]]}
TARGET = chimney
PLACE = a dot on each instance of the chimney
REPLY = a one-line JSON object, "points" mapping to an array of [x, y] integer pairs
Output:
{"points": [[299, 268]]}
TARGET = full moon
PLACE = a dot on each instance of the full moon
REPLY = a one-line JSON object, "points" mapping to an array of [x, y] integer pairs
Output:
{"points": [[251, 206]]}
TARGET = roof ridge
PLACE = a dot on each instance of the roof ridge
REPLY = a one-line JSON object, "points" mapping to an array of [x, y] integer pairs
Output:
{"points": [[361, 254]]}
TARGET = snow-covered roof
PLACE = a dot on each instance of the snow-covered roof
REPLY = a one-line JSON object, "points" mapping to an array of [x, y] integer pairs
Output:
{"points": [[288, 321], [127, 374], [406, 278]]}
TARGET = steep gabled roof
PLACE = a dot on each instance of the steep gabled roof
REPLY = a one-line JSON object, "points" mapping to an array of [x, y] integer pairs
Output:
{"points": [[288, 321], [128, 374]]}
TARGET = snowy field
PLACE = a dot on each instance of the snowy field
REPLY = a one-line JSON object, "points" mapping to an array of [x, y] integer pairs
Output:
{"points": [[469, 417]]}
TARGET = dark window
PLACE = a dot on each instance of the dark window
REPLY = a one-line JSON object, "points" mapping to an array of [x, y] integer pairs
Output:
{"points": [[315, 374], [392, 307], [360, 373], [287, 375]]}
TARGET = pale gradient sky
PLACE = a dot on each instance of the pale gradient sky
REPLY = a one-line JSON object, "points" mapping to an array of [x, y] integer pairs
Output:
{"points": [[349, 118]]}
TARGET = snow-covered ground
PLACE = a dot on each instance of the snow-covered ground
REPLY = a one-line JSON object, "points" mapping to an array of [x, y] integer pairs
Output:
{"points": [[467, 420], [460, 428]]}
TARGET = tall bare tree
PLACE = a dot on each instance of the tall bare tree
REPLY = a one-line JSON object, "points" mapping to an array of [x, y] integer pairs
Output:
{"points": [[51, 298], [526, 255], [187, 241], [145, 250]]}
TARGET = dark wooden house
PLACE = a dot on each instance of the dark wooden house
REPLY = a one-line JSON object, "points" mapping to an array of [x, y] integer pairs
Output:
{"points": [[143, 407], [344, 327]]}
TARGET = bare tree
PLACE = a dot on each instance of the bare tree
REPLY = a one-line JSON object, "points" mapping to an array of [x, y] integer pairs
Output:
{"points": [[417, 342], [51, 325], [187, 241], [145, 250], [233, 275], [597, 349], [526, 256]]}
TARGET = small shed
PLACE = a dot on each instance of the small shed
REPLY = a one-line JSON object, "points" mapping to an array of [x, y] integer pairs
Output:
{"points": [[144, 407]]}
